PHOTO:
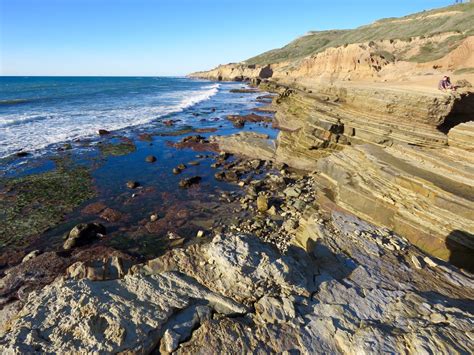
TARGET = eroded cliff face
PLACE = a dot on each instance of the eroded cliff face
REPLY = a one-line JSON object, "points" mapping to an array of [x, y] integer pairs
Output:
{"points": [[383, 154], [374, 61], [393, 152], [236, 72]]}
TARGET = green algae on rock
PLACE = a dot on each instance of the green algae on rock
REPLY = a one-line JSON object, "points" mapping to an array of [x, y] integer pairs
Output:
{"points": [[29, 205], [126, 146]]}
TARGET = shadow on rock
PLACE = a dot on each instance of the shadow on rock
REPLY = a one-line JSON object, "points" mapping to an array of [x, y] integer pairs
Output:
{"points": [[461, 255]]}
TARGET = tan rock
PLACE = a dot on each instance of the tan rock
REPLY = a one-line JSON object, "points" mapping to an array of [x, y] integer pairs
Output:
{"points": [[262, 203], [249, 144]]}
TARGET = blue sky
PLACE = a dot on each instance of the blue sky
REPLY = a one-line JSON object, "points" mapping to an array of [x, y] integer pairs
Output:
{"points": [[166, 37]]}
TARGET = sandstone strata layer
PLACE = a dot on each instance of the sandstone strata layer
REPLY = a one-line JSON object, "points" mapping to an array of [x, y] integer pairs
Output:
{"points": [[352, 288], [400, 159]]}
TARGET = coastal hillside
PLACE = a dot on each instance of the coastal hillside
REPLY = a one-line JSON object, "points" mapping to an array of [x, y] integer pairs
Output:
{"points": [[362, 109], [422, 28], [396, 49]]}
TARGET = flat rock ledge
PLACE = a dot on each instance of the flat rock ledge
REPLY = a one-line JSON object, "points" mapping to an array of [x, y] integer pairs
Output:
{"points": [[248, 144], [344, 287]]}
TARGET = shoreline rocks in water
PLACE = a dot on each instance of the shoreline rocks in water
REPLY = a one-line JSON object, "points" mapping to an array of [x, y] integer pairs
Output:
{"points": [[83, 234], [188, 182]]}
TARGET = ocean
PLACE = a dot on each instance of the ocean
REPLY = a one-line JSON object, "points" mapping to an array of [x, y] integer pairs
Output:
{"points": [[70, 169], [40, 112]]}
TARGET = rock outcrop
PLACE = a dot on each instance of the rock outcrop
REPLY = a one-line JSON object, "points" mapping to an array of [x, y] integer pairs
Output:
{"points": [[350, 288], [237, 72], [426, 196], [250, 144]]}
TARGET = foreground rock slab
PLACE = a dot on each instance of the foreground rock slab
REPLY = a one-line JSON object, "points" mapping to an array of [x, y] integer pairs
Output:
{"points": [[345, 286]]}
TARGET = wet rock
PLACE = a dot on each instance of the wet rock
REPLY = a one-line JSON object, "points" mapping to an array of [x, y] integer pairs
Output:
{"points": [[231, 176], [238, 123], [31, 255], [67, 146], [193, 139], [249, 118], [146, 137], [205, 130], [188, 182], [243, 91], [94, 208], [124, 147], [195, 142], [132, 184], [224, 155], [150, 159], [111, 215], [169, 122], [177, 171], [83, 234], [220, 175], [103, 132], [194, 163], [30, 274], [22, 154]]}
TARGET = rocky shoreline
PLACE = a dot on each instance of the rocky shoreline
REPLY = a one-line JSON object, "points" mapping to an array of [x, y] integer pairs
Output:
{"points": [[281, 266], [353, 283], [369, 165]]}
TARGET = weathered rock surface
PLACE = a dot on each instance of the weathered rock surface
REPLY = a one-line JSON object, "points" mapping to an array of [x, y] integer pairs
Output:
{"points": [[356, 289], [462, 136], [385, 156], [82, 234], [249, 144], [426, 196]]}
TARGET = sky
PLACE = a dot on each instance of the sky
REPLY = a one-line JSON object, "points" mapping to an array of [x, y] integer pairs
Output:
{"points": [[167, 37]]}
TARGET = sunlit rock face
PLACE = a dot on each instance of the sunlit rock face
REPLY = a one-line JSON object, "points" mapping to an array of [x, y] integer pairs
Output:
{"points": [[342, 283]]}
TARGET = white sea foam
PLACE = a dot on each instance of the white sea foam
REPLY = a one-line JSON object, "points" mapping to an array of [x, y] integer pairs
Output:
{"points": [[37, 130]]}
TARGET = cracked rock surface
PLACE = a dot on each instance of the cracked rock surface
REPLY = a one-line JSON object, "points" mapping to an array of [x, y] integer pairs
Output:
{"points": [[344, 286]]}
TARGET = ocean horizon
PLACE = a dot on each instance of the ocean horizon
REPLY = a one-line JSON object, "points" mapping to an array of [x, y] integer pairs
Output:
{"points": [[39, 111]]}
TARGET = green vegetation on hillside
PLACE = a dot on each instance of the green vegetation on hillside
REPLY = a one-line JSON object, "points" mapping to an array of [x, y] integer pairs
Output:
{"points": [[423, 24], [464, 71]]}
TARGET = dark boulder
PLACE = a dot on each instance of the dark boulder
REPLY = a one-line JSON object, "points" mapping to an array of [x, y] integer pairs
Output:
{"points": [[150, 159], [82, 234], [132, 184], [186, 183]]}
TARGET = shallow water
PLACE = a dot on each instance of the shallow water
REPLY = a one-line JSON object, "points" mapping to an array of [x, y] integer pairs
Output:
{"points": [[182, 211]]}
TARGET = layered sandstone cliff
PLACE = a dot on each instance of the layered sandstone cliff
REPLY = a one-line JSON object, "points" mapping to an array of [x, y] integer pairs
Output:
{"points": [[368, 117]]}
